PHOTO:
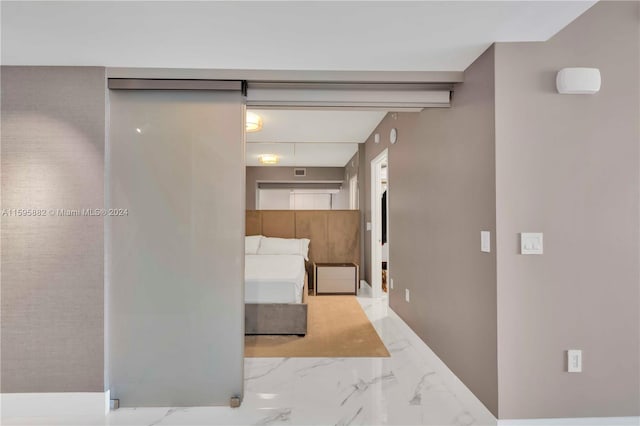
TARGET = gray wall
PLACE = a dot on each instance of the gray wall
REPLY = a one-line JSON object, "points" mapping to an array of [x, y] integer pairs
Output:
{"points": [[352, 167], [53, 136], [176, 287], [441, 195], [364, 173], [568, 166], [285, 174]]}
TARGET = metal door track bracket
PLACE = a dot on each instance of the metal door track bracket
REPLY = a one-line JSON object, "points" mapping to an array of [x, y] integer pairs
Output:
{"points": [[234, 402], [115, 404]]}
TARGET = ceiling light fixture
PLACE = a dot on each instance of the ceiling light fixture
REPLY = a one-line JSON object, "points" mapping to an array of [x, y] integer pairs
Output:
{"points": [[269, 159], [254, 122]]}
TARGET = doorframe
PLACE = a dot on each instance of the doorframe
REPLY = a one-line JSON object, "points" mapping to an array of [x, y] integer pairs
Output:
{"points": [[376, 219]]}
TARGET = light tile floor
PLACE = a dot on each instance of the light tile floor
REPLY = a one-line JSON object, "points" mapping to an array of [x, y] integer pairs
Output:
{"points": [[412, 387]]}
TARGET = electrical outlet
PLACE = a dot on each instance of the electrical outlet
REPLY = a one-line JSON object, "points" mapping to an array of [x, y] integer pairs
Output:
{"points": [[407, 296], [574, 361], [391, 283]]}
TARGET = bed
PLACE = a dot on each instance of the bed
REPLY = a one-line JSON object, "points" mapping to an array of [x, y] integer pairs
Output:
{"points": [[275, 286], [274, 278]]}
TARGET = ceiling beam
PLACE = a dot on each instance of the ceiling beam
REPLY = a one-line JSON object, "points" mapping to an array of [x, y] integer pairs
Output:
{"points": [[271, 76]]}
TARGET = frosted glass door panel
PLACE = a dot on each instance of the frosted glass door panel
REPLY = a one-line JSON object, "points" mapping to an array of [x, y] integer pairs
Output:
{"points": [[175, 266]]}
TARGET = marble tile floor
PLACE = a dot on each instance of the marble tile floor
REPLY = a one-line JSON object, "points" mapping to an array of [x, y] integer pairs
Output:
{"points": [[412, 387]]}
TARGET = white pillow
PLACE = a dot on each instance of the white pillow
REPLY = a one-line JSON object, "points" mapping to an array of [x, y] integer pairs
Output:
{"points": [[299, 246], [252, 243]]}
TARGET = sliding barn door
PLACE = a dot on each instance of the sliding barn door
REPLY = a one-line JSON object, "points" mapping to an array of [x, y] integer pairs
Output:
{"points": [[175, 259]]}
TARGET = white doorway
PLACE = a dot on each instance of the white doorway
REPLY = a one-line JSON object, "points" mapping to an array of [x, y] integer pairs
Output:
{"points": [[379, 183]]}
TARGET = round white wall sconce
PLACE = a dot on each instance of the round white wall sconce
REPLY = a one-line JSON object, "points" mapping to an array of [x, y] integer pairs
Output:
{"points": [[393, 135], [578, 81]]}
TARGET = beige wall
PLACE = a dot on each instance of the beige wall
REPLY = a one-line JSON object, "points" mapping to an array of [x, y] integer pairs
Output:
{"points": [[441, 195], [568, 166], [53, 137], [285, 174]]}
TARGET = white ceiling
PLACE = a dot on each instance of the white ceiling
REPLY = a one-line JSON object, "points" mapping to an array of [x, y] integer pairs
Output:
{"points": [[269, 35], [301, 35], [303, 154], [315, 126], [310, 138]]}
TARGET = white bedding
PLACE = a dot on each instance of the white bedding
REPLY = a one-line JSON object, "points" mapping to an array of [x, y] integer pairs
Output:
{"points": [[273, 278]]}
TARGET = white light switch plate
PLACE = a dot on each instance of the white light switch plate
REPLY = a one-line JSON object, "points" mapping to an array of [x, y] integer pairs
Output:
{"points": [[485, 241], [407, 295], [574, 361], [531, 243], [368, 226], [391, 283]]}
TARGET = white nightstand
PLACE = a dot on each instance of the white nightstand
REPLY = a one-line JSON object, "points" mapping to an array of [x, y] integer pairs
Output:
{"points": [[335, 278]]}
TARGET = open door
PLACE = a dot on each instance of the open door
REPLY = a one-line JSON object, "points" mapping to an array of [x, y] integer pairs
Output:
{"points": [[175, 257]]}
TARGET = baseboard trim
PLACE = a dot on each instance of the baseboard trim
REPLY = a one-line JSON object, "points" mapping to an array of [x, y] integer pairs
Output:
{"points": [[577, 421], [54, 404]]}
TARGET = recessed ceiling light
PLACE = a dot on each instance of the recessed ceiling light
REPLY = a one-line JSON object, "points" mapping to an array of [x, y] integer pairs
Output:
{"points": [[269, 159], [254, 122]]}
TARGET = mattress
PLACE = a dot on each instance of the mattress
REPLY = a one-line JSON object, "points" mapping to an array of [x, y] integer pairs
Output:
{"points": [[273, 278]]}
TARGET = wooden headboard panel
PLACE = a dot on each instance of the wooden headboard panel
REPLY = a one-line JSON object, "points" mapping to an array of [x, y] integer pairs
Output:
{"points": [[334, 234]]}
